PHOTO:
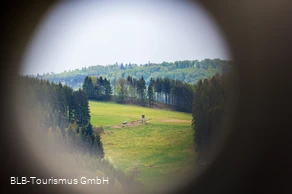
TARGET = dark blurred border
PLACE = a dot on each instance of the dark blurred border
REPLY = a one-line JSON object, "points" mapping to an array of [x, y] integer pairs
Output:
{"points": [[257, 156]]}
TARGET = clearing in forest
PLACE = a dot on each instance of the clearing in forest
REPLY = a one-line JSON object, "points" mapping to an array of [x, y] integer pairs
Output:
{"points": [[161, 148]]}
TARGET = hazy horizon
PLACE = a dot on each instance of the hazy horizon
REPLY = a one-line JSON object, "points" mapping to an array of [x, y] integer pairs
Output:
{"points": [[79, 68], [82, 34]]}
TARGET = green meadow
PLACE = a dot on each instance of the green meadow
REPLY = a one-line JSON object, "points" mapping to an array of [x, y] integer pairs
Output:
{"points": [[160, 148]]}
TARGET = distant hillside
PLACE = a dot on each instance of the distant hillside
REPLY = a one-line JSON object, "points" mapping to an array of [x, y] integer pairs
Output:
{"points": [[185, 71]]}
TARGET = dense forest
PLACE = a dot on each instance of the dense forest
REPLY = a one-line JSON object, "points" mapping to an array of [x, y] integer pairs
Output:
{"points": [[188, 71], [176, 94], [208, 106], [63, 114]]}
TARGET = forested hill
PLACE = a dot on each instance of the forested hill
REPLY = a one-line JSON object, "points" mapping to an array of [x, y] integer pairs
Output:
{"points": [[185, 71]]}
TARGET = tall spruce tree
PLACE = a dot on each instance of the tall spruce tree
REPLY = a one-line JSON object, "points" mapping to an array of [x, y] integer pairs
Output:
{"points": [[150, 92], [62, 113], [208, 106], [141, 86]]}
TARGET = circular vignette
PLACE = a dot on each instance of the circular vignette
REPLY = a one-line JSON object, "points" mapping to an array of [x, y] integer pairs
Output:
{"points": [[217, 148]]}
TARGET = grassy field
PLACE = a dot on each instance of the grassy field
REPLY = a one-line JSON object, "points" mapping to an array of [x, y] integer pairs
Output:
{"points": [[159, 149]]}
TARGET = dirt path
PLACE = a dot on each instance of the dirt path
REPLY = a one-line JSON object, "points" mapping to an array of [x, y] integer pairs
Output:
{"points": [[128, 124]]}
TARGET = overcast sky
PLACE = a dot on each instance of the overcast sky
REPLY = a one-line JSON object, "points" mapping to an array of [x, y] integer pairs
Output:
{"points": [[76, 34]]}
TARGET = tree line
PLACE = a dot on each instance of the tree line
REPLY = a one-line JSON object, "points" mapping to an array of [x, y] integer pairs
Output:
{"points": [[97, 88], [63, 114], [176, 94], [189, 71]]}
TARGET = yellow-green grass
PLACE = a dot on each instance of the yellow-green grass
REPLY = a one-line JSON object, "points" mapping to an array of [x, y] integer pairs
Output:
{"points": [[161, 148], [108, 114]]}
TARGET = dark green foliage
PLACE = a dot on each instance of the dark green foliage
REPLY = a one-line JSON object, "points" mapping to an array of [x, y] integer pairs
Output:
{"points": [[182, 95], [175, 93], [150, 93], [97, 88], [166, 89], [107, 89], [121, 90], [88, 87], [208, 104], [141, 87], [63, 113]]}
